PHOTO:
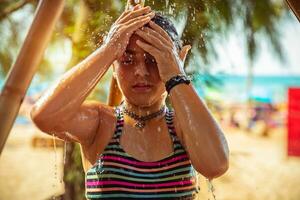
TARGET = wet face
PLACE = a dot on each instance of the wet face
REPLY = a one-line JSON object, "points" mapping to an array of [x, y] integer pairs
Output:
{"points": [[138, 77]]}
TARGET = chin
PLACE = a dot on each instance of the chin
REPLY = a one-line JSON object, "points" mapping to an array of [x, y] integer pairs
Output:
{"points": [[144, 100], [141, 101]]}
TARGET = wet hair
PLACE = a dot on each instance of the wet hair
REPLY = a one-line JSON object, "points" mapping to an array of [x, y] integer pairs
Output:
{"points": [[169, 27]]}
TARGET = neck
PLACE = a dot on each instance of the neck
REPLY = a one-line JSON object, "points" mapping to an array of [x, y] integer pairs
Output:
{"points": [[144, 110]]}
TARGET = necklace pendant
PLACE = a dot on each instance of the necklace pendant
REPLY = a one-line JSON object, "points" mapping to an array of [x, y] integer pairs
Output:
{"points": [[140, 124]]}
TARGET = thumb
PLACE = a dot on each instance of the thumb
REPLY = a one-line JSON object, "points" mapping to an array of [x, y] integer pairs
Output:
{"points": [[184, 51]]}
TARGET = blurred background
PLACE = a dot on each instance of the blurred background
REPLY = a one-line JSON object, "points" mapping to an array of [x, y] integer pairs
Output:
{"points": [[244, 63]]}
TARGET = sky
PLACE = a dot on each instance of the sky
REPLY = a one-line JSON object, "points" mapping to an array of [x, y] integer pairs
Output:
{"points": [[232, 59]]}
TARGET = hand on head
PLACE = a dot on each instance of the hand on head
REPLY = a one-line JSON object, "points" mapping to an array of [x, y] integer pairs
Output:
{"points": [[154, 40], [123, 28], [159, 44]]}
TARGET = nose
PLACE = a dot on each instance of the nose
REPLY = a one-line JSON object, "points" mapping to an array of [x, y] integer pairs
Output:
{"points": [[141, 70]]}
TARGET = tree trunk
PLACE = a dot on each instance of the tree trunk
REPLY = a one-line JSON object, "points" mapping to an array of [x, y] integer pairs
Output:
{"points": [[30, 55]]}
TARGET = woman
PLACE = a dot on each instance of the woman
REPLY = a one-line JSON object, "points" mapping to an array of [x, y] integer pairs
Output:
{"points": [[140, 149]]}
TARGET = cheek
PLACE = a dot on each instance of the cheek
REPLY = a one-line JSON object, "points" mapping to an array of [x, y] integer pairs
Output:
{"points": [[120, 71], [123, 77], [155, 73]]}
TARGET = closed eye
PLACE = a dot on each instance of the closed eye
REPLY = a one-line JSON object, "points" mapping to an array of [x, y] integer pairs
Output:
{"points": [[127, 62], [150, 60]]}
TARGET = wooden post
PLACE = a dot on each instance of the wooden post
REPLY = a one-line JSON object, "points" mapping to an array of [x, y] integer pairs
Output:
{"points": [[28, 59], [115, 95], [295, 7]]}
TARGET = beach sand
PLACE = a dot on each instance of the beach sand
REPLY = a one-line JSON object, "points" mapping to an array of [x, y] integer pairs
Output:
{"points": [[28, 173], [259, 169]]}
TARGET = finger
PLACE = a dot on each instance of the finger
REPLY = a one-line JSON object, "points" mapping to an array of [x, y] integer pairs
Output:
{"points": [[133, 26], [151, 40], [148, 48], [151, 15], [184, 51], [122, 16], [157, 35], [136, 7], [161, 31], [136, 13]]}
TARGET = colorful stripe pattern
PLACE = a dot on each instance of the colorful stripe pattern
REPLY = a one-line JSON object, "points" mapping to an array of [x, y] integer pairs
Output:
{"points": [[118, 175]]}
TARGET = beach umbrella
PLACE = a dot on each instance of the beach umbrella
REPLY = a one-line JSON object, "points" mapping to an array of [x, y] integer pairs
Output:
{"points": [[115, 95], [261, 95], [260, 99], [295, 7], [28, 59]]}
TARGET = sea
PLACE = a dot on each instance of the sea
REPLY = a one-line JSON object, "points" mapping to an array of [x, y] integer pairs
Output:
{"points": [[234, 88], [223, 87]]}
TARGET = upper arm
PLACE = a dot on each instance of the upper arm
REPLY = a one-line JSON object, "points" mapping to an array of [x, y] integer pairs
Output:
{"points": [[82, 126]]}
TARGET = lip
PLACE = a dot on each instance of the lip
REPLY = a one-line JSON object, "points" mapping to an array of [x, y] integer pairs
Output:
{"points": [[142, 87]]}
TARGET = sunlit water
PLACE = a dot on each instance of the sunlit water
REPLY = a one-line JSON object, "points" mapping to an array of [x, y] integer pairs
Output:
{"points": [[55, 164], [211, 189], [56, 178]]}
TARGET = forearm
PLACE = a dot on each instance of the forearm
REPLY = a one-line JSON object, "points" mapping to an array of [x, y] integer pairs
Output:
{"points": [[203, 138], [65, 97]]}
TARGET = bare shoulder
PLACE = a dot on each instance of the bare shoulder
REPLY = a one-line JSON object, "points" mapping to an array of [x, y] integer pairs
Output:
{"points": [[104, 133], [107, 111], [106, 128], [107, 121], [86, 124]]}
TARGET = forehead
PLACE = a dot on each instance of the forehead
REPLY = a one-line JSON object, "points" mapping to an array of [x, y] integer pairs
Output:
{"points": [[132, 47]]}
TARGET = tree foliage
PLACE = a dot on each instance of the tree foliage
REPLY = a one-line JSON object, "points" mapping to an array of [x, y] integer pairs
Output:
{"points": [[202, 21]]}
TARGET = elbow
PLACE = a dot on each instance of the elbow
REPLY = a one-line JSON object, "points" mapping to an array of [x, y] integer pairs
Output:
{"points": [[38, 120], [214, 170], [217, 170]]}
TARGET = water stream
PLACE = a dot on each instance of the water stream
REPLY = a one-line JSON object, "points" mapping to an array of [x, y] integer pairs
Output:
{"points": [[211, 189], [55, 165]]}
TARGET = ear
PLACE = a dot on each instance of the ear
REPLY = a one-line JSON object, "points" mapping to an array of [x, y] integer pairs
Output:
{"points": [[184, 51]]}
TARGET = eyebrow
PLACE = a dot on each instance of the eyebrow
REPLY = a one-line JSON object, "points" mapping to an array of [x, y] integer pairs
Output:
{"points": [[131, 52]]}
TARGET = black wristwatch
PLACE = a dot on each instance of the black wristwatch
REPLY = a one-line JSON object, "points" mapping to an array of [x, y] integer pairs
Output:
{"points": [[175, 80]]}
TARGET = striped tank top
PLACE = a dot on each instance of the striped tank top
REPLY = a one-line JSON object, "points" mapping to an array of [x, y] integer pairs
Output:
{"points": [[118, 175]]}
